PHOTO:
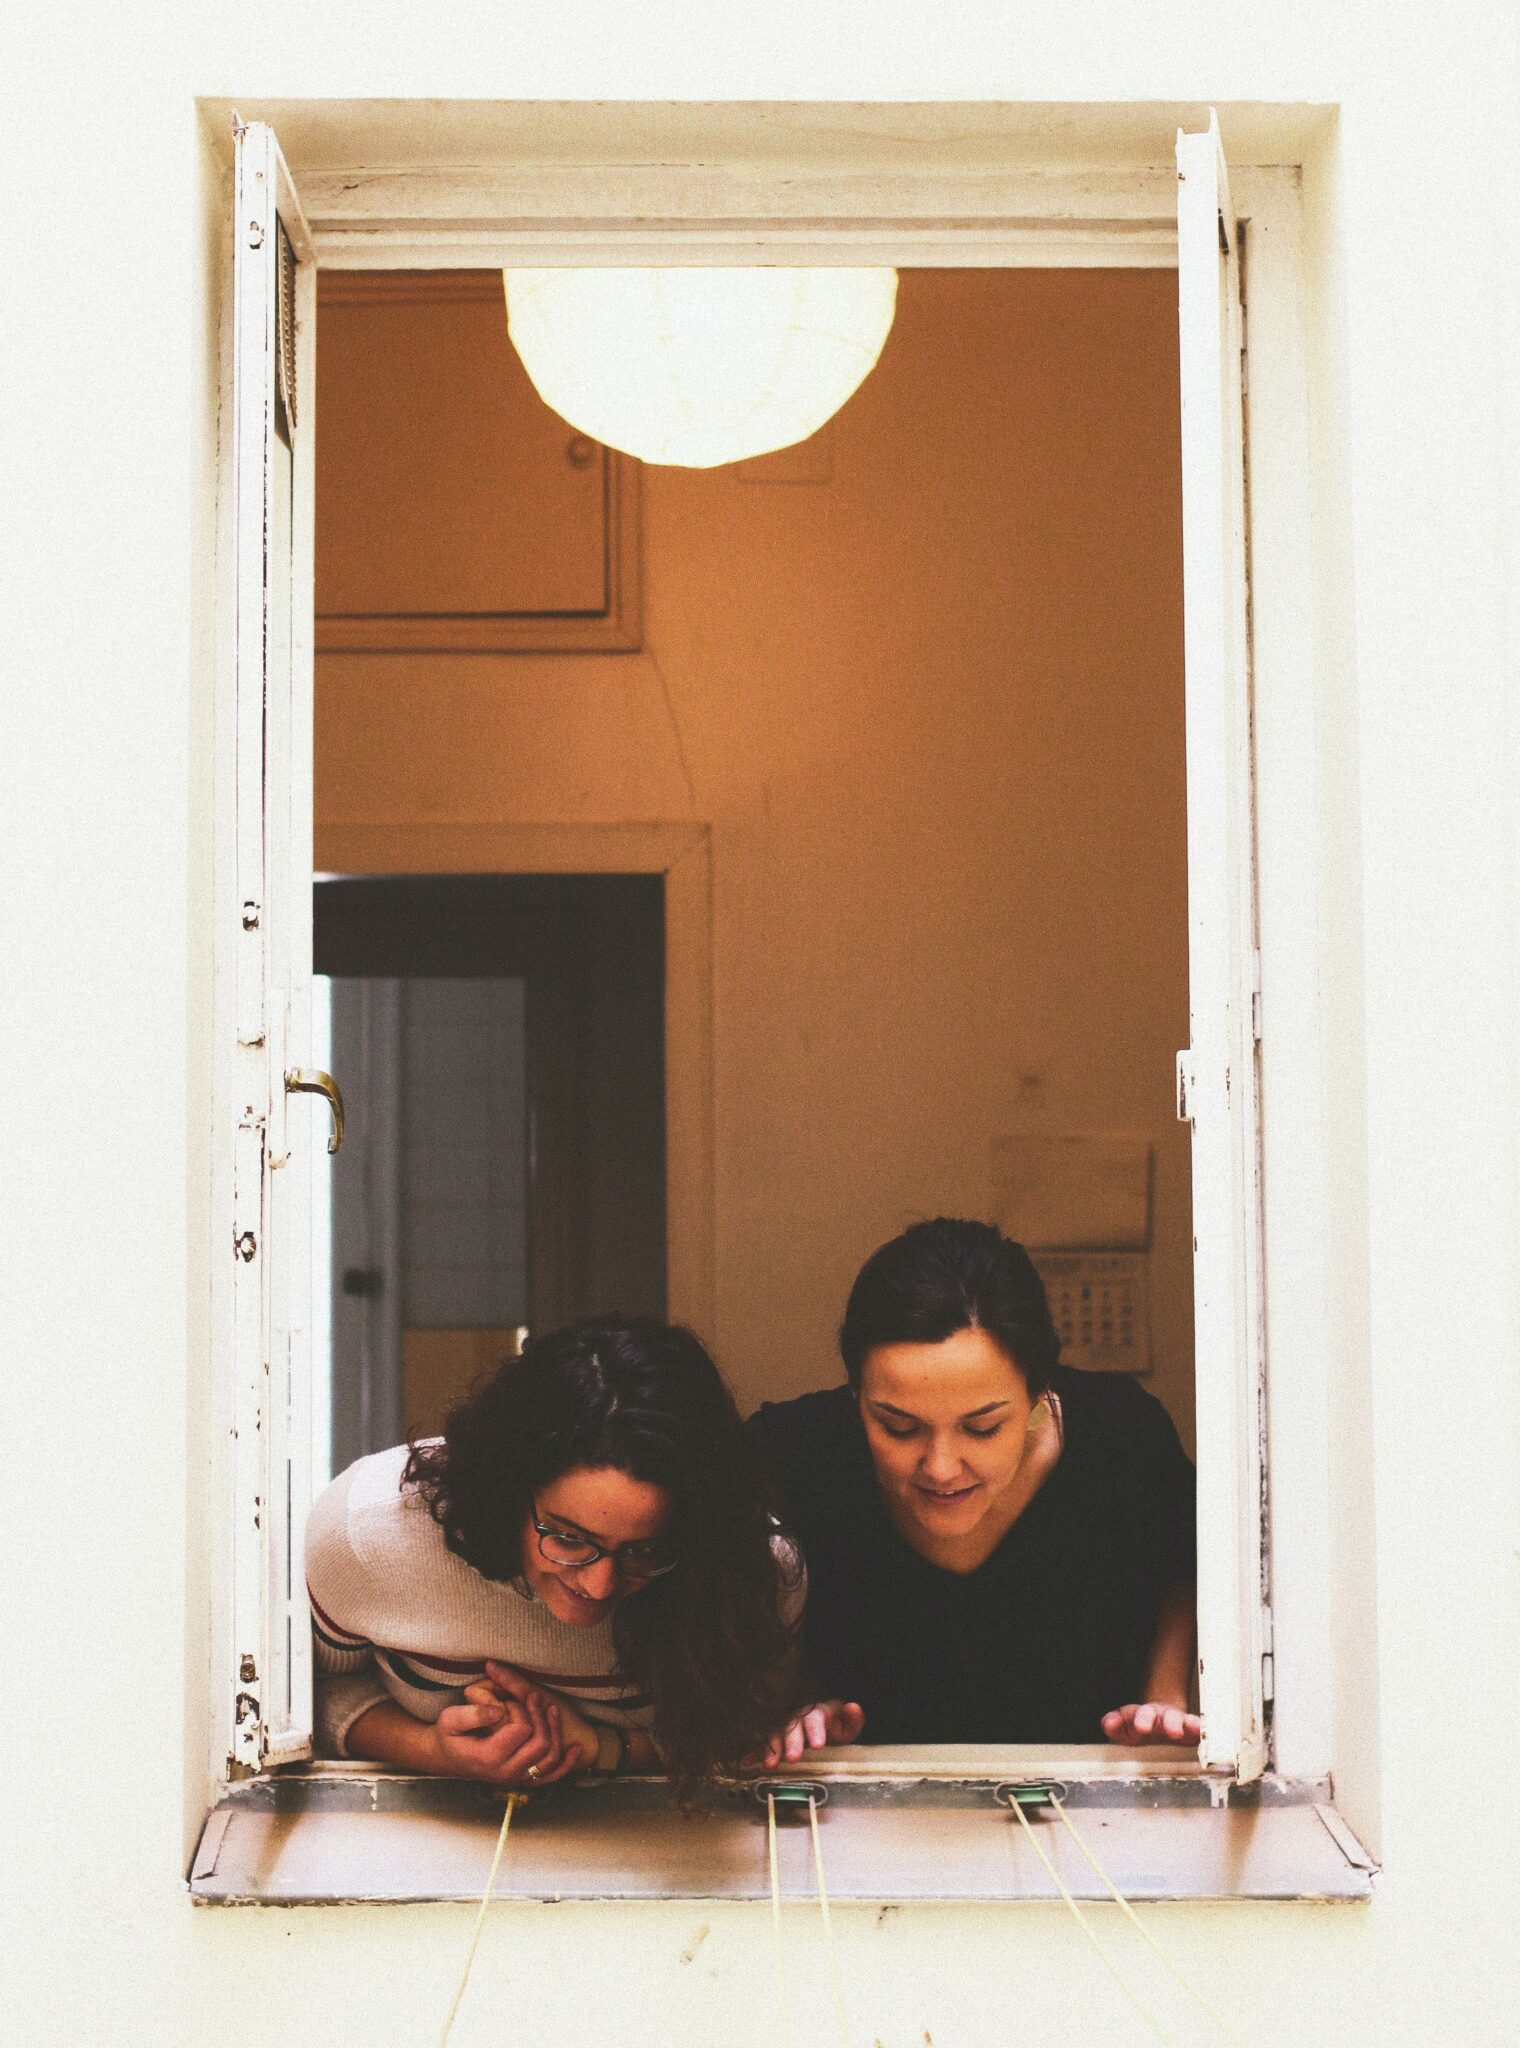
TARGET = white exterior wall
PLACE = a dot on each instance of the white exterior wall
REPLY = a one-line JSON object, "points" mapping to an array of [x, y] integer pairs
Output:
{"points": [[109, 193]]}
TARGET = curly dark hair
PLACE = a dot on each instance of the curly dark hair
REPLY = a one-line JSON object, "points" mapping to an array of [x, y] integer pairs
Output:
{"points": [[945, 1276], [707, 1641]]}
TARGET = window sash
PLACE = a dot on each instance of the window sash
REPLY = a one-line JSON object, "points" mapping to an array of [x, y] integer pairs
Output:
{"points": [[1218, 1074], [269, 1717]]}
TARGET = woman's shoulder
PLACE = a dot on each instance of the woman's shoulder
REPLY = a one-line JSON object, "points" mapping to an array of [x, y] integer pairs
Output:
{"points": [[1116, 1396], [1109, 1413], [370, 1511], [817, 1457], [806, 1429], [379, 1565]]}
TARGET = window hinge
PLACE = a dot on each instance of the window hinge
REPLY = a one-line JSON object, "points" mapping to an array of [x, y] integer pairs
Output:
{"points": [[247, 1731], [1256, 995], [1268, 1677], [1187, 1085]]}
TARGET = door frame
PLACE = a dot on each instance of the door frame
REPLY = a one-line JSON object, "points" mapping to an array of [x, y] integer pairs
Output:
{"points": [[681, 854]]}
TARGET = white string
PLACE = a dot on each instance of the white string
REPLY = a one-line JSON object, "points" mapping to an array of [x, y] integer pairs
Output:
{"points": [[1081, 1919], [480, 1918], [775, 1856], [1144, 1932], [841, 2012]]}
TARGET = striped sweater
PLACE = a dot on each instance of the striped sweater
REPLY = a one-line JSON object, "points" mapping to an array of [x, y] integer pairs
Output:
{"points": [[396, 1615]]}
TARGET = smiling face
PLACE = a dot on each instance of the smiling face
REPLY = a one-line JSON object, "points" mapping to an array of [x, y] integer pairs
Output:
{"points": [[600, 1505], [948, 1427]]}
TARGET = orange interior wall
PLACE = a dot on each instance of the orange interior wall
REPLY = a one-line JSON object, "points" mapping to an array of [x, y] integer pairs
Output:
{"points": [[931, 709]]}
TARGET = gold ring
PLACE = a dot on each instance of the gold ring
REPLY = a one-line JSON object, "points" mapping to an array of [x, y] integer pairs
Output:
{"points": [[533, 1771]]}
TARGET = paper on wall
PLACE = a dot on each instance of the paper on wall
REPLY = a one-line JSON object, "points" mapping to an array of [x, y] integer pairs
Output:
{"points": [[1076, 1191]]}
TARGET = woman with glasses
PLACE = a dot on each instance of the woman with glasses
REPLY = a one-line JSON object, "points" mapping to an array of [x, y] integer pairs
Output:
{"points": [[581, 1575]]}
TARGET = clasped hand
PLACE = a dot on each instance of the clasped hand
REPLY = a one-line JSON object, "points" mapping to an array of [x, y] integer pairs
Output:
{"points": [[511, 1732]]}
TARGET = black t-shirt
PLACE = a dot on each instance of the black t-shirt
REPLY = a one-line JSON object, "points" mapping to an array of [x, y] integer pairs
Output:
{"points": [[1040, 1641]]}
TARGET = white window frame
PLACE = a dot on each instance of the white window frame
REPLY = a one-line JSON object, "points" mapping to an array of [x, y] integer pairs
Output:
{"points": [[261, 1182], [1218, 1081], [938, 214]]}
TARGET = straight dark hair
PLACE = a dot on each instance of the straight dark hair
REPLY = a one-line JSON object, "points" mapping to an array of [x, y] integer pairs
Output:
{"points": [[945, 1276], [707, 1641]]}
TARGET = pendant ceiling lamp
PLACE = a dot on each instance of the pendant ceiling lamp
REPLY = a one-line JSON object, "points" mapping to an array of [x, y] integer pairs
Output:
{"points": [[698, 367]]}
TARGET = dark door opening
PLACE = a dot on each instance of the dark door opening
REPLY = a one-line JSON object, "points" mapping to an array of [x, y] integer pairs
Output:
{"points": [[501, 1039]]}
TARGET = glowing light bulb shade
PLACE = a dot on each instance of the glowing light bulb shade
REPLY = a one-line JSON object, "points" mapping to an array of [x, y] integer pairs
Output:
{"points": [[698, 367]]}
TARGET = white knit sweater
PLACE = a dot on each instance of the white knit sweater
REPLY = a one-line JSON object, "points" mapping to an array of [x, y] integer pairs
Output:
{"points": [[396, 1615]]}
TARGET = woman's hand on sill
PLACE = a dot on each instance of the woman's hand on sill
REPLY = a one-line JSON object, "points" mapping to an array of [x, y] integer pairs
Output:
{"points": [[1152, 1721], [826, 1724]]}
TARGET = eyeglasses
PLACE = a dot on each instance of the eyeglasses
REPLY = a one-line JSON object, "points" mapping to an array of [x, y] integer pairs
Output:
{"points": [[649, 1560]]}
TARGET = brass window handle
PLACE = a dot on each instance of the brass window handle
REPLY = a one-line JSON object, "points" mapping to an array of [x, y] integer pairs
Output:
{"points": [[312, 1081]]}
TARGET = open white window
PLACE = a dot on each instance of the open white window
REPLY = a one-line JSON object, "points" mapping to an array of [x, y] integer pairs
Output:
{"points": [[264, 904], [1217, 1079], [265, 1198], [275, 318]]}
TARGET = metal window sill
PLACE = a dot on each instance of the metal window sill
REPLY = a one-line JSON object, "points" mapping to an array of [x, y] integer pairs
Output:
{"points": [[896, 1826]]}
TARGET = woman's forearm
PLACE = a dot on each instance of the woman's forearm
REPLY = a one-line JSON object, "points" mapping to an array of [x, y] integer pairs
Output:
{"points": [[1174, 1650], [640, 1753], [387, 1734]]}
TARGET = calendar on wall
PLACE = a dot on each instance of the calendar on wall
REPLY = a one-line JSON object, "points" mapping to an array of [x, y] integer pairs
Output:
{"points": [[1100, 1304], [1081, 1203]]}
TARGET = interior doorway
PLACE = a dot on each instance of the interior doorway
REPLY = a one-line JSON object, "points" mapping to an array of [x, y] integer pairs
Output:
{"points": [[501, 1039]]}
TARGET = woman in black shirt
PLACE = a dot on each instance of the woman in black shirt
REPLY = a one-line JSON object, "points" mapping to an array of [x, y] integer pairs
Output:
{"points": [[999, 1548]]}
